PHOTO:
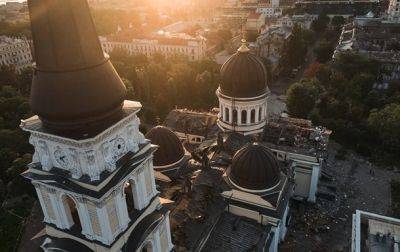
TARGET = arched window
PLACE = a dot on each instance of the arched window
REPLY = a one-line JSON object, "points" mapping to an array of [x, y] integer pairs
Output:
{"points": [[244, 116], [130, 196], [148, 247], [234, 116], [253, 116], [71, 212], [259, 113], [227, 114]]}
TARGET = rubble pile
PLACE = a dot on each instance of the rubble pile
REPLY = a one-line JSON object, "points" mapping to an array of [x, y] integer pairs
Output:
{"points": [[298, 135], [192, 122], [196, 209]]}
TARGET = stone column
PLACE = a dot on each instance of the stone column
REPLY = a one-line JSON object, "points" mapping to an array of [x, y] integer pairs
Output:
{"points": [[54, 202], [248, 112], [42, 204], [263, 113], [157, 241], [122, 210], [314, 183], [230, 115], [141, 190], [84, 217], [152, 177], [239, 116], [68, 222], [167, 227], [106, 232], [256, 114]]}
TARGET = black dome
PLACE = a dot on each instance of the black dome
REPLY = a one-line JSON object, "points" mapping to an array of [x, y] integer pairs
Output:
{"points": [[170, 147], [254, 167], [243, 75], [74, 86]]}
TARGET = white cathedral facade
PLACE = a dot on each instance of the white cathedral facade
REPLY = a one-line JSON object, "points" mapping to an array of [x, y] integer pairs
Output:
{"points": [[80, 207]]}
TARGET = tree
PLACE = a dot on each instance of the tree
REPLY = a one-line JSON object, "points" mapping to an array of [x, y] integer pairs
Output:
{"points": [[300, 99], [319, 25], [337, 21], [295, 49], [323, 51], [8, 75], [24, 80], [386, 122], [107, 20], [7, 156], [224, 34], [121, 55], [351, 64], [15, 29], [251, 36], [313, 69]]}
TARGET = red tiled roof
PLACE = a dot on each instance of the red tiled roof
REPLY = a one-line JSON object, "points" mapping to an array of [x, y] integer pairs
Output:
{"points": [[254, 15]]}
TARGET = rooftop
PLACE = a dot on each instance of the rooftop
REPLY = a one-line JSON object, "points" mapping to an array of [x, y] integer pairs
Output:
{"points": [[192, 122], [161, 37], [5, 40], [235, 233], [373, 232], [297, 136], [254, 15], [374, 37]]}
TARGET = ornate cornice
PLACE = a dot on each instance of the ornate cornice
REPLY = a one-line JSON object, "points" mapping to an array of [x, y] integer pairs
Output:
{"points": [[132, 118]]}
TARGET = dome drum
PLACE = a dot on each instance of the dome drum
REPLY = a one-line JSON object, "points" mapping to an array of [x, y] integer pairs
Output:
{"points": [[248, 117]]}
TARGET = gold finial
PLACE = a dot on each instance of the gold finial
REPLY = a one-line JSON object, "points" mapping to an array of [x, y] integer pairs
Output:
{"points": [[243, 48]]}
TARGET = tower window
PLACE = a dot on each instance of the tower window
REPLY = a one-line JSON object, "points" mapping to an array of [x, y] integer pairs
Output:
{"points": [[244, 116], [234, 116], [71, 212], [130, 194], [148, 247], [253, 116]]}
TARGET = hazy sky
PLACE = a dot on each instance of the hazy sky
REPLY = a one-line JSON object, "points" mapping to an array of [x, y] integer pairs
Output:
{"points": [[4, 1]]}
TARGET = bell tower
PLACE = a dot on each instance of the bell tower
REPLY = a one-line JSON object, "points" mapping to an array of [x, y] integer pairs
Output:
{"points": [[92, 168]]}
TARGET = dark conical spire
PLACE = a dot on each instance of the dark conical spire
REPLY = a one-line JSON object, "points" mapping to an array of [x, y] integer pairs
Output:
{"points": [[75, 85]]}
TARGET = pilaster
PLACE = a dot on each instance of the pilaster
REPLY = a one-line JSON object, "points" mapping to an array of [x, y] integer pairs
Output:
{"points": [[142, 193], [257, 115], [314, 183], [85, 219], [157, 241], [57, 211], [122, 211], [43, 205], [170, 245], [107, 235]]}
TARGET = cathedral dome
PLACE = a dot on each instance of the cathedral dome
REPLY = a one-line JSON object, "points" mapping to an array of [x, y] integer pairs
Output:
{"points": [[254, 167], [243, 75], [74, 86], [170, 148]]}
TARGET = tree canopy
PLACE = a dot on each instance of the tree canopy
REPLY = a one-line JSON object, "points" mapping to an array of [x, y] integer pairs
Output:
{"points": [[344, 97]]}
